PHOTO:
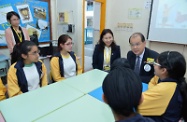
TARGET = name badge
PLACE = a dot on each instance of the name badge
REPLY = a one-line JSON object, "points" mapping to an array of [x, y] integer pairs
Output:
{"points": [[147, 67], [106, 68]]}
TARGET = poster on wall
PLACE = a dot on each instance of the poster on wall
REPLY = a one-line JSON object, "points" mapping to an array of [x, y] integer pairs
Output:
{"points": [[63, 17], [134, 13], [34, 16], [25, 13]]}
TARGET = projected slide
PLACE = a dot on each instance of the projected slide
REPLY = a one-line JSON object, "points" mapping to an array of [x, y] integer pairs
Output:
{"points": [[172, 14]]}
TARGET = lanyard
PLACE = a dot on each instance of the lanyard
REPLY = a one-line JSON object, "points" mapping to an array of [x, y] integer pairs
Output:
{"points": [[19, 35], [107, 55]]}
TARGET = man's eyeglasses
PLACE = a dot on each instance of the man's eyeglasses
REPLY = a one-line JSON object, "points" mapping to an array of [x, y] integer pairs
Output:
{"points": [[135, 44], [70, 43], [34, 53]]}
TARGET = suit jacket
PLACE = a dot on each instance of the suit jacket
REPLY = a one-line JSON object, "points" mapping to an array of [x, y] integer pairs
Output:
{"points": [[144, 75], [11, 40], [98, 56]]}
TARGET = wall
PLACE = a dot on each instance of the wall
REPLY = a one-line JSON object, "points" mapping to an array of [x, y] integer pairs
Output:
{"points": [[117, 12], [160, 47], [74, 9]]}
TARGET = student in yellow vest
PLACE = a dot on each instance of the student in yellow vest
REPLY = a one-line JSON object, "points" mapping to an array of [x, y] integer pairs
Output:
{"points": [[166, 97], [28, 73], [106, 51], [2, 90], [64, 64]]}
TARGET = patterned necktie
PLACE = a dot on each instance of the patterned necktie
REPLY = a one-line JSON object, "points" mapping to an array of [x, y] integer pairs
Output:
{"points": [[137, 65]]}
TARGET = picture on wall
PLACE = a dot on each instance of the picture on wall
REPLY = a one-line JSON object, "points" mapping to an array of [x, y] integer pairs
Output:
{"points": [[42, 24], [25, 13], [3, 12], [134, 13], [34, 16], [63, 17], [39, 13], [33, 30]]}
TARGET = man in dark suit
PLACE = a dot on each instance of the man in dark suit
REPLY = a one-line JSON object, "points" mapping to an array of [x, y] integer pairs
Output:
{"points": [[140, 55]]}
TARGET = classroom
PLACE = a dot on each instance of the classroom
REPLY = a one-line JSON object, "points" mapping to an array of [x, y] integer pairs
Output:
{"points": [[71, 34]]}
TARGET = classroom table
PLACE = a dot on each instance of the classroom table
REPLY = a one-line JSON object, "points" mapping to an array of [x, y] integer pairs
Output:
{"points": [[68, 100], [84, 109], [34, 104], [88, 81]]}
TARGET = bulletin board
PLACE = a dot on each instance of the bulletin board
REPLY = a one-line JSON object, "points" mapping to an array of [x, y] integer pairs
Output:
{"points": [[34, 16]]}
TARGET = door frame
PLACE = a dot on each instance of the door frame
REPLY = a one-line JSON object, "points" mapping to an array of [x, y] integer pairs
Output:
{"points": [[102, 23]]}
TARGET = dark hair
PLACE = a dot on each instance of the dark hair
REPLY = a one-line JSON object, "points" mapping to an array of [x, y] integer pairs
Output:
{"points": [[26, 47], [15, 55], [34, 38], [137, 34], [10, 14], [21, 48], [120, 62], [62, 40], [122, 88], [175, 64], [101, 43]]}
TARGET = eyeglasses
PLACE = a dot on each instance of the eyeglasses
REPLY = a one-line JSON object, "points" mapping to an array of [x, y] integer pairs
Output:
{"points": [[70, 43], [136, 44], [34, 53], [153, 63], [15, 19]]}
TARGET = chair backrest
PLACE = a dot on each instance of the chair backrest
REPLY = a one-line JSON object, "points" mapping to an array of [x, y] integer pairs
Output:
{"points": [[34, 38], [54, 46]]}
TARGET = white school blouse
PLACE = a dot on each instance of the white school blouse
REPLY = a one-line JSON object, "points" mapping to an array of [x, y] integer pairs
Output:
{"points": [[69, 66], [32, 76]]}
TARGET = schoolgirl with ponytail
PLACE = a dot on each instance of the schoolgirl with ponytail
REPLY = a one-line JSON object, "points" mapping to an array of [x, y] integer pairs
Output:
{"points": [[27, 73], [166, 98]]}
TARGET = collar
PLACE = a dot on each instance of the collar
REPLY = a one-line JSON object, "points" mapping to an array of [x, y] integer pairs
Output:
{"points": [[107, 48], [168, 80], [20, 64], [141, 55]]}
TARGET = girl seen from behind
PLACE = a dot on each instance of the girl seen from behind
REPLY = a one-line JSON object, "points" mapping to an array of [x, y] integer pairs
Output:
{"points": [[122, 91]]}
